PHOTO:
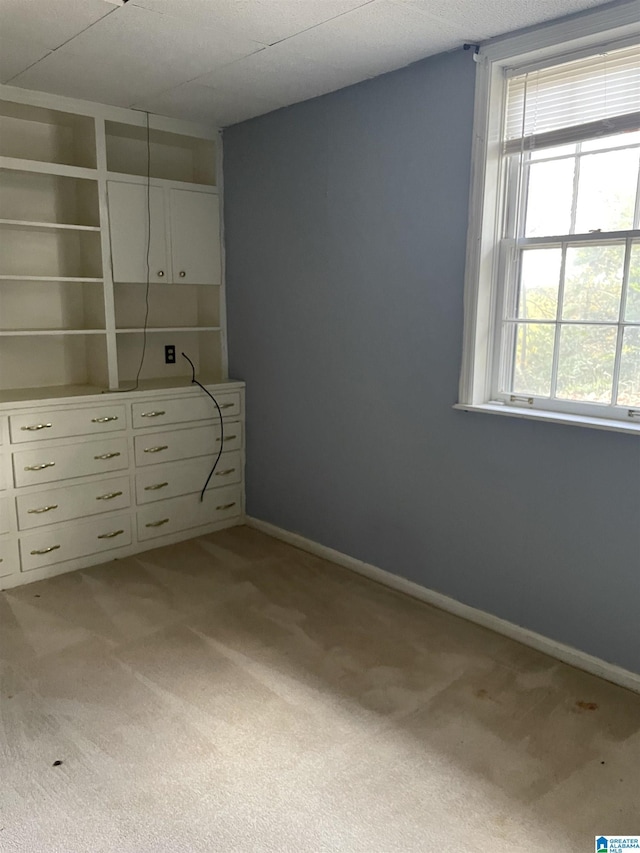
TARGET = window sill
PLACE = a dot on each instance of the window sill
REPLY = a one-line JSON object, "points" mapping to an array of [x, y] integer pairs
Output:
{"points": [[609, 424]]}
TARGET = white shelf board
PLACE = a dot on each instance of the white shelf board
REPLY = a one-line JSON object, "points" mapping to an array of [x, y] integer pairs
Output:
{"points": [[49, 278], [17, 333], [125, 177], [50, 392], [19, 164], [174, 382], [45, 226], [169, 329]]}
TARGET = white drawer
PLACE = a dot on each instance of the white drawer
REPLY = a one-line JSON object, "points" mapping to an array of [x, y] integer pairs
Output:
{"points": [[77, 540], [185, 443], [186, 476], [175, 514], [9, 558], [52, 423], [178, 411], [45, 465], [5, 516], [67, 502]]}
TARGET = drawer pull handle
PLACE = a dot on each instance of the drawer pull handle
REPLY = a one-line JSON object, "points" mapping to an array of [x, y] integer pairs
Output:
{"points": [[225, 473], [226, 506], [227, 405], [152, 414], [109, 496], [157, 523], [40, 466], [227, 438], [46, 550], [107, 455], [35, 427], [155, 487], [156, 449], [110, 535], [104, 420], [41, 509]]}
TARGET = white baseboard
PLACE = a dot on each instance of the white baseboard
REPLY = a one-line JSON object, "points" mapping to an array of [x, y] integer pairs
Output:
{"points": [[566, 654]]}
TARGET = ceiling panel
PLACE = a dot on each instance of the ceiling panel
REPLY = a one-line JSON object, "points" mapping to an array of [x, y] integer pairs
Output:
{"points": [[266, 21], [201, 103], [16, 55], [488, 18], [48, 22]]}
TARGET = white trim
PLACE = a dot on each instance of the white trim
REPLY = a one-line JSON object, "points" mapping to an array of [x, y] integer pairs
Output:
{"points": [[609, 424], [566, 654]]}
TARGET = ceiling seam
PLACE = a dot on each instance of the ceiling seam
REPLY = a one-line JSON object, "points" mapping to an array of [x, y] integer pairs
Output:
{"points": [[315, 26]]}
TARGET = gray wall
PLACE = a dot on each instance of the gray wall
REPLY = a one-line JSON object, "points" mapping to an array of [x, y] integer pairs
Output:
{"points": [[345, 226]]}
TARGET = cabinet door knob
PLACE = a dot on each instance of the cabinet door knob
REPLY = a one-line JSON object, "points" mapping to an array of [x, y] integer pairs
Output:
{"points": [[39, 467], [182, 273], [156, 449], [42, 509], [46, 550], [107, 455], [157, 523], [104, 420], [34, 427], [160, 273], [110, 535]]}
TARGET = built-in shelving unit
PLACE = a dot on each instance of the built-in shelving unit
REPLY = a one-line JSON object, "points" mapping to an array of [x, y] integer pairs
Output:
{"points": [[83, 197]]}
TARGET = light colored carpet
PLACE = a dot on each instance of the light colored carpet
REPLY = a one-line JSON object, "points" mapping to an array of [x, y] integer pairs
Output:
{"points": [[234, 694]]}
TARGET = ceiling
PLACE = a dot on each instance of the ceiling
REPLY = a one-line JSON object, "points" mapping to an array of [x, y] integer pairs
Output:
{"points": [[223, 61]]}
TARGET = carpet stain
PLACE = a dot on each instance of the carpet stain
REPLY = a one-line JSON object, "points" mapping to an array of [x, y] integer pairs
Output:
{"points": [[586, 706]]}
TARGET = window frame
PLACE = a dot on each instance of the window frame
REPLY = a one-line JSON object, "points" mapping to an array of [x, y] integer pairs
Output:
{"points": [[560, 41]]}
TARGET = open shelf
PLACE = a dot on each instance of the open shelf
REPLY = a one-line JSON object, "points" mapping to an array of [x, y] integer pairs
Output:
{"points": [[170, 306], [48, 307], [52, 253], [45, 226], [58, 360], [37, 133], [202, 347], [171, 156], [39, 200]]}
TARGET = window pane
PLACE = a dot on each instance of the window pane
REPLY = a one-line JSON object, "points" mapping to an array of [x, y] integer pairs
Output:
{"points": [[607, 191], [549, 198], [539, 283], [556, 151], [533, 359], [618, 140], [585, 363], [632, 311], [593, 282], [629, 381]]}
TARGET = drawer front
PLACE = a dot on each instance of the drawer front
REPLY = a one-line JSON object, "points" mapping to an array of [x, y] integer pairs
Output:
{"points": [[9, 559], [45, 465], [187, 476], [185, 443], [177, 514], [67, 502], [4, 515], [77, 540], [36, 426], [178, 411]]}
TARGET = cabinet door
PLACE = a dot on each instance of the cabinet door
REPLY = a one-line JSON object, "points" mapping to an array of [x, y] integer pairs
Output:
{"points": [[195, 237], [129, 220]]}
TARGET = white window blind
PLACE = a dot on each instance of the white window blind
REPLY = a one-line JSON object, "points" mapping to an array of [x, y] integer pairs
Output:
{"points": [[586, 98]]}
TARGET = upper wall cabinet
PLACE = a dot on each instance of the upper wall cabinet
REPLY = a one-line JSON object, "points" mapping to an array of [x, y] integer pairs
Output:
{"points": [[184, 244]]}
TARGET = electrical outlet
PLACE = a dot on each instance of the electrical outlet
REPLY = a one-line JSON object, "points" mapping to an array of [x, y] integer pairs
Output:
{"points": [[170, 354]]}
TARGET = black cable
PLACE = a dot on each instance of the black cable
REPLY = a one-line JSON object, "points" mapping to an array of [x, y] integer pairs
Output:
{"points": [[215, 464], [148, 263]]}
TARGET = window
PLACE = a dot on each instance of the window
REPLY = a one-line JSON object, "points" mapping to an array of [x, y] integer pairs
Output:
{"points": [[553, 266]]}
